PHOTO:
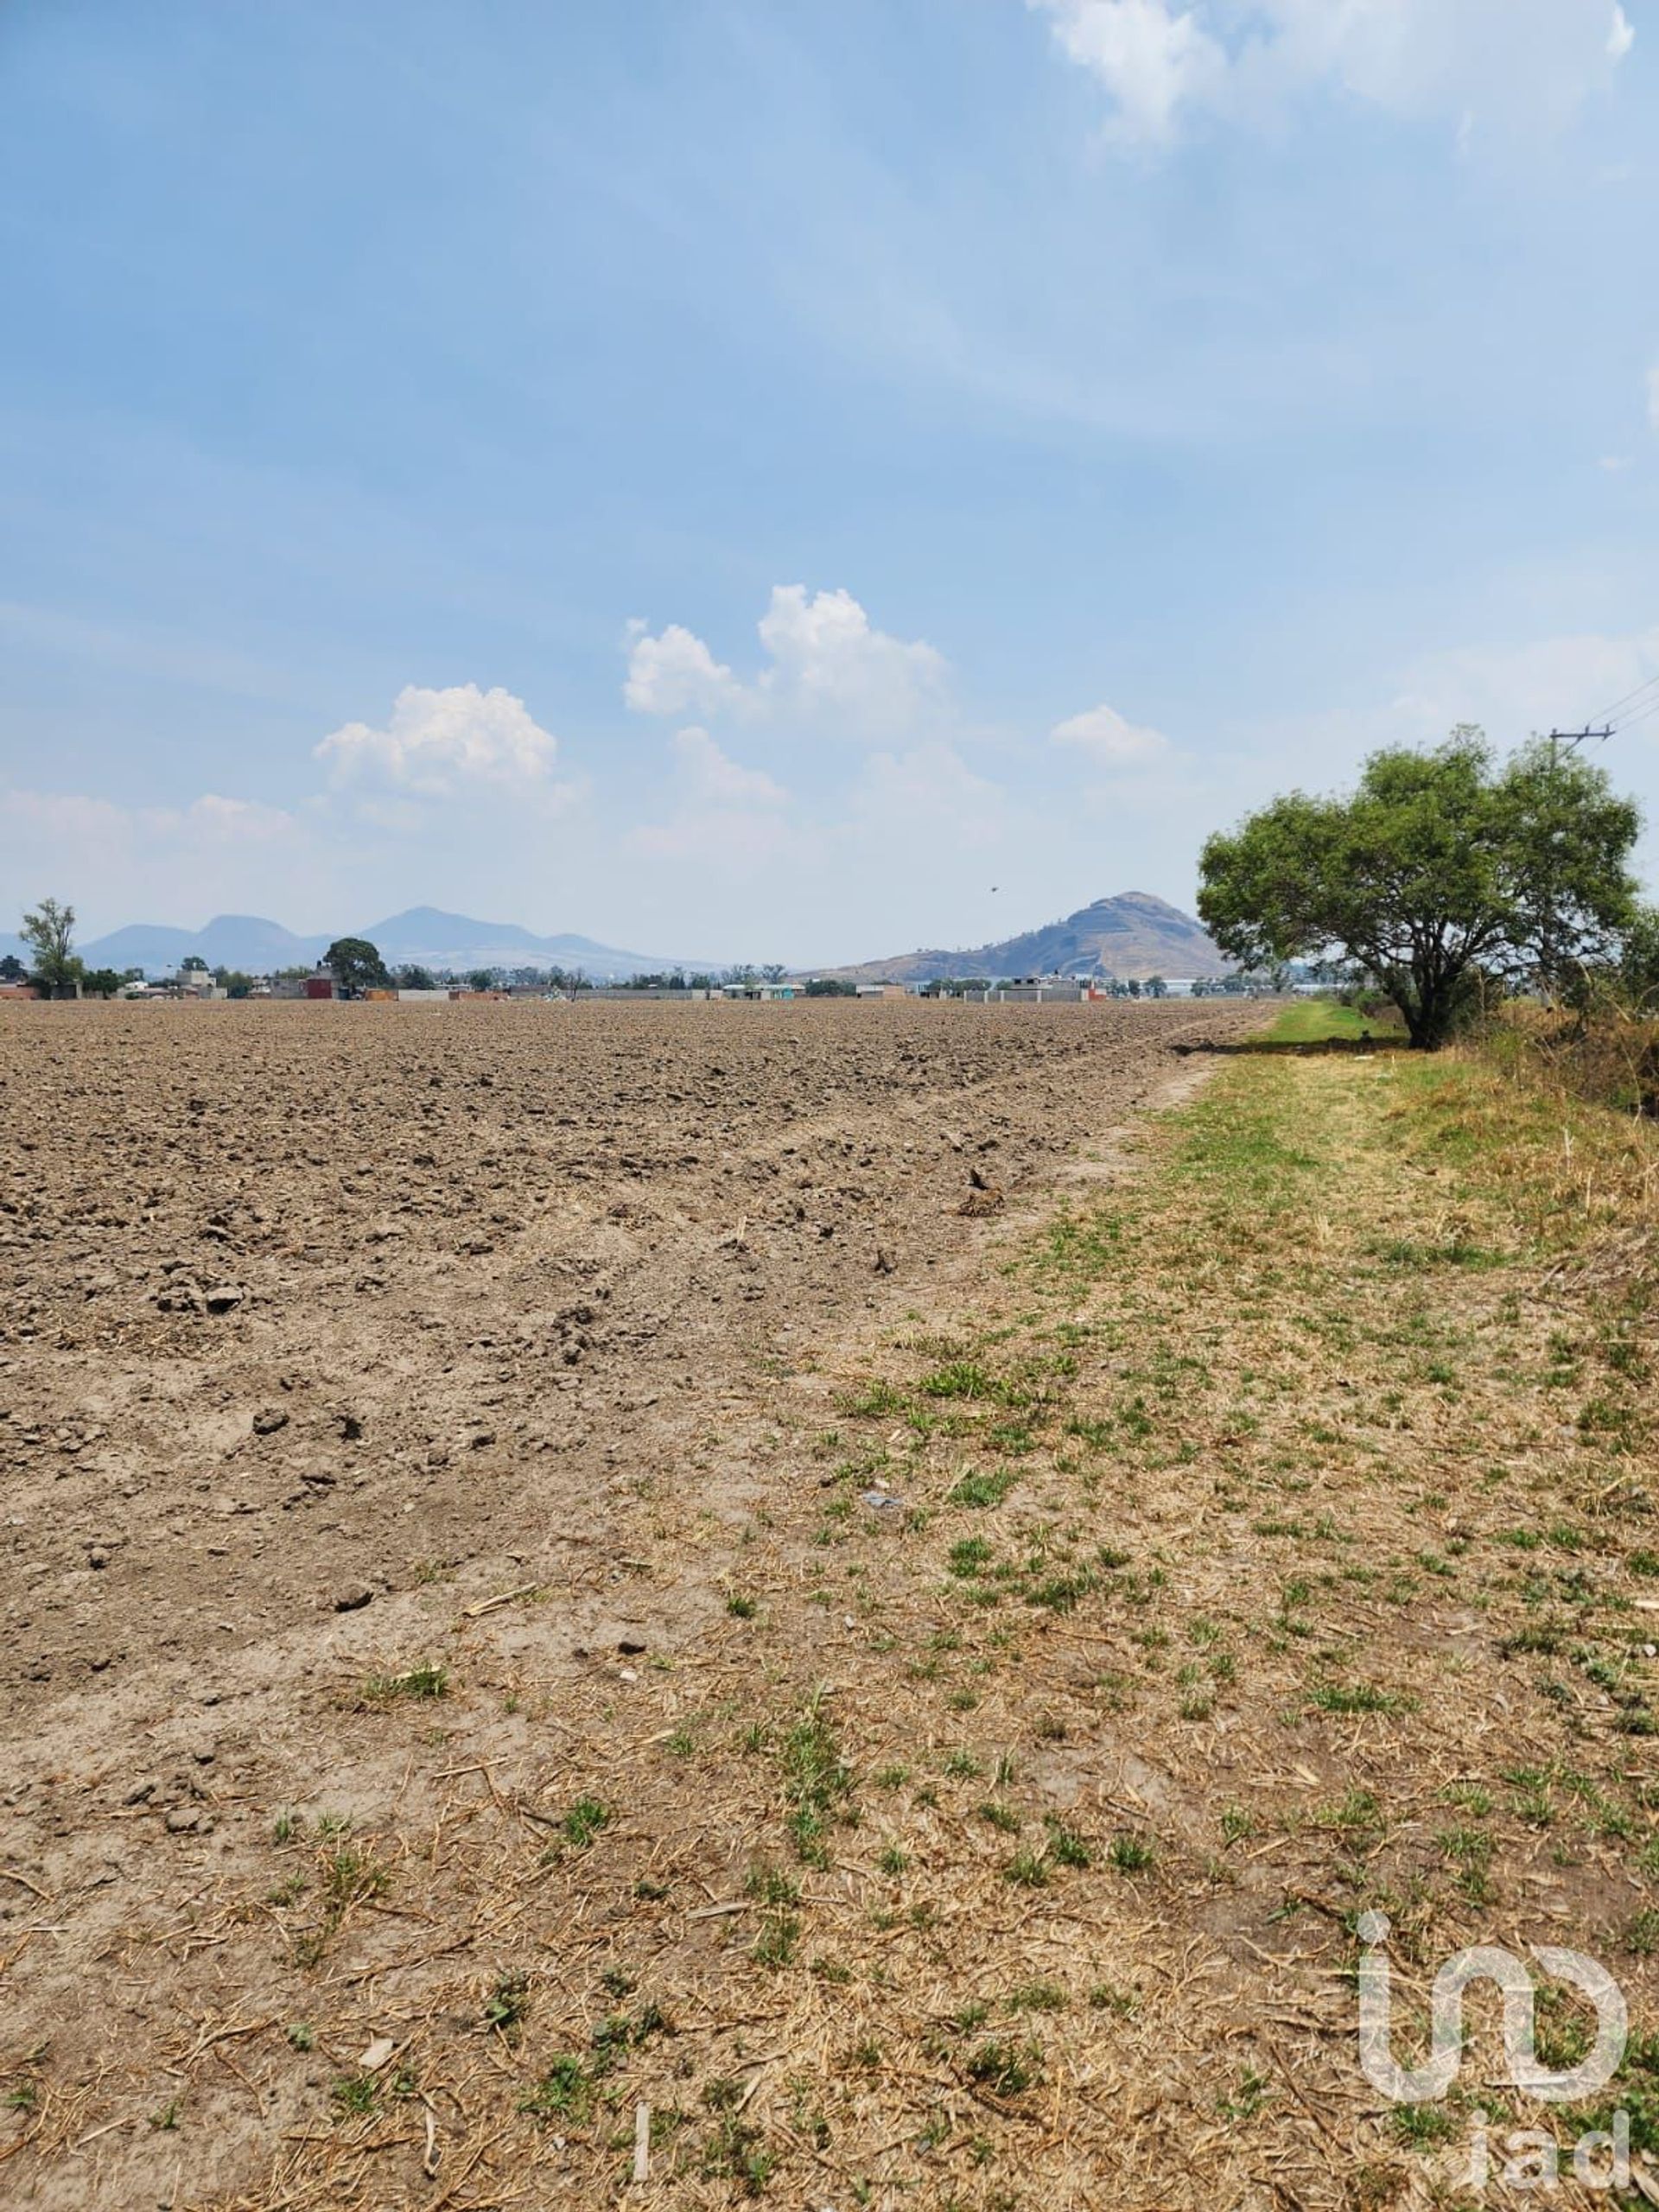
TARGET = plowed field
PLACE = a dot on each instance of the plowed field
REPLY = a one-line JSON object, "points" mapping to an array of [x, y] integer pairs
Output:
{"points": [[380, 1389]]}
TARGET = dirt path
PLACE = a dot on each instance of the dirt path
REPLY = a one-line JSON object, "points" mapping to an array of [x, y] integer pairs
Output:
{"points": [[363, 1321]]}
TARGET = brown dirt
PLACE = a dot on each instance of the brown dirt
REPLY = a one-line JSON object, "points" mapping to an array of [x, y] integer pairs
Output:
{"points": [[338, 1340]]}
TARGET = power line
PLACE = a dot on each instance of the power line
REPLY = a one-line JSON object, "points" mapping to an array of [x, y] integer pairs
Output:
{"points": [[1634, 721], [1607, 712]]}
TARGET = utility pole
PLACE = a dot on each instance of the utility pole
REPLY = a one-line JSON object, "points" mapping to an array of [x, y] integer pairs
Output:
{"points": [[1576, 737]]}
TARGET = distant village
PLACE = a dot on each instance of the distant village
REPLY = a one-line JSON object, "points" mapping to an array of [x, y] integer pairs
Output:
{"points": [[194, 980], [353, 967]]}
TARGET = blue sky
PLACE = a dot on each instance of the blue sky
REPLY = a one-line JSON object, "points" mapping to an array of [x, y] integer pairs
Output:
{"points": [[750, 479]]}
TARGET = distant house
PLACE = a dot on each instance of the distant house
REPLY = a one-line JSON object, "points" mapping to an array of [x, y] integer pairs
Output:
{"points": [[319, 984]]}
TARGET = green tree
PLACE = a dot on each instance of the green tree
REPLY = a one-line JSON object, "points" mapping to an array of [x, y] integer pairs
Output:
{"points": [[355, 965], [1638, 965], [51, 932], [12, 970], [414, 978], [1441, 867], [480, 979], [101, 982]]}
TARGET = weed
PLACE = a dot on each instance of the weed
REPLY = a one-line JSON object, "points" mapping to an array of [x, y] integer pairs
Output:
{"points": [[735, 2153], [1360, 1697], [770, 1885], [967, 1558], [564, 2092], [582, 1823], [779, 1940], [816, 1780], [508, 2001], [355, 2095], [1006, 2069], [1065, 1847], [427, 1680], [985, 1488], [1037, 1997]]}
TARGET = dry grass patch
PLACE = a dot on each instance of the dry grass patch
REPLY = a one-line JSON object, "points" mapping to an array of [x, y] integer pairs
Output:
{"points": [[1268, 1539]]}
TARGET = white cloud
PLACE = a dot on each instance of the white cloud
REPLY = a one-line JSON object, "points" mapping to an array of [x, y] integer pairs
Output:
{"points": [[721, 837], [207, 822], [1529, 63], [827, 660], [1510, 691], [438, 743], [1108, 741], [729, 814], [1151, 61], [715, 779], [927, 795], [674, 671], [128, 863], [827, 669], [1514, 690]]}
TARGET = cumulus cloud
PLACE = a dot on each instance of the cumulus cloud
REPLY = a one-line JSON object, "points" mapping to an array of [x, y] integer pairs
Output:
{"points": [[827, 658], [727, 812], [1532, 62], [1151, 61], [929, 791], [436, 744], [827, 668], [208, 820], [714, 777], [1108, 741], [122, 862], [675, 672]]}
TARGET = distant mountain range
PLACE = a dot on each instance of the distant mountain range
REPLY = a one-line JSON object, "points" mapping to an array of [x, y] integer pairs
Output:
{"points": [[424, 935], [1132, 936]]}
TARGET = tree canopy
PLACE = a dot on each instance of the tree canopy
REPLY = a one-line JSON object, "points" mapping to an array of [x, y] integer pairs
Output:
{"points": [[1441, 866], [50, 931], [355, 965]]}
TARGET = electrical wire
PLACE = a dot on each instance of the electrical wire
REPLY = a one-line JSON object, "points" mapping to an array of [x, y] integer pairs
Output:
{"points": [[1606, 714]]}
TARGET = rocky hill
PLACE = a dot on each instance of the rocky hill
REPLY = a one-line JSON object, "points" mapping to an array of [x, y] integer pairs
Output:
{"points": [[1133, 935]]}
